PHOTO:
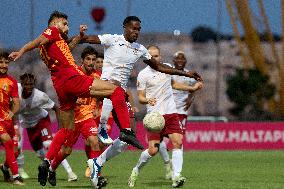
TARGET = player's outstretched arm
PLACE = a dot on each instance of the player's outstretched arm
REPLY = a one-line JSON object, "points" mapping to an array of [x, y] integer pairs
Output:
{"points": [[185, 87], [143, 100], [92, 39], [73, 41], [169, 70], [41, 40]]}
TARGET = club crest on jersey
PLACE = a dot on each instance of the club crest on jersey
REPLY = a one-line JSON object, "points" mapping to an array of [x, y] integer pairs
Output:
{"points": [[5, 87]]}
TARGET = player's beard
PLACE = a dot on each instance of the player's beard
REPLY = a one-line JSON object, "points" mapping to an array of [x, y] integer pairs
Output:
{"points": [[3, 71], [64, 36]]}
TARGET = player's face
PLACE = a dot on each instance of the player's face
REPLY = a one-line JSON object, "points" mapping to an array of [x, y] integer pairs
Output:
{"points": [[28, 86], [89, 62], [179, 62], [132, 31], [155, 53], [3, 66], [62, 25], [99, 64]]}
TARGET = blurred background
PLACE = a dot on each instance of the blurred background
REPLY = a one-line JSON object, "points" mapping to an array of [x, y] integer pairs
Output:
{"points": [[234, 44]]}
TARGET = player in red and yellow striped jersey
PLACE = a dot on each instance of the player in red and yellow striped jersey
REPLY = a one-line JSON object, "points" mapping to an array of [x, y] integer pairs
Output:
{"points": [[8, 94]]}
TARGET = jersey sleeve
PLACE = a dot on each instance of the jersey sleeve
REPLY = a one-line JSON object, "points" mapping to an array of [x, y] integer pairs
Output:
{"points": [[145, 55], [47, 102], [14, 90], [107, 39], [52, 34], [141, 82]]}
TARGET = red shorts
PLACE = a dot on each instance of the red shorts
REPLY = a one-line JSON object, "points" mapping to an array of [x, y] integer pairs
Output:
{"points": [[87, 128], [8, 127], [172, 125], [182, 119], [71, 86], [39, 133]]}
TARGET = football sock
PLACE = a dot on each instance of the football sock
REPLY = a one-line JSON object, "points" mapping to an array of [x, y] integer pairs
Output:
{"points": [[10, 157], [92, 153], [21, 160], [113, 150], [120, 109], [56, 161], [106, 110], [177, 161], [164, 152], [144, 158], [66, 166]]}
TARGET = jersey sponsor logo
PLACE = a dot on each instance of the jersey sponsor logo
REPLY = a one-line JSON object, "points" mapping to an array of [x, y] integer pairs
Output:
{"points": [[48, 31]]}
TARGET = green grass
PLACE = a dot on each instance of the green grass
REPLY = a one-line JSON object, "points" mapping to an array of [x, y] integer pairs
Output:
{"points": [[204, 170]]}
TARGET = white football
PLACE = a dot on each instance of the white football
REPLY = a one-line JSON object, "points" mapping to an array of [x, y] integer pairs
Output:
{"points": [[154, 122]]}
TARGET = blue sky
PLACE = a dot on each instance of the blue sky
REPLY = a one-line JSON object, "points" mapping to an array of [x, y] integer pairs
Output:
{"points": [[156, 16]]}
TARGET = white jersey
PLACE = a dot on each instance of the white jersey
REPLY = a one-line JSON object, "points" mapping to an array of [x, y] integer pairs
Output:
{"points": [[34, 108], [157, 85], [179, 95], [120, 57]]}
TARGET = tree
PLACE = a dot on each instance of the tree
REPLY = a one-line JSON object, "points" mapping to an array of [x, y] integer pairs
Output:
{"points": [[203, 34], [248, 89]]}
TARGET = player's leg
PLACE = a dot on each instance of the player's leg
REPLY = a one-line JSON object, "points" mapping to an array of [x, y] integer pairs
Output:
{"points": [[120, 109], [143, 160], [166, 158], [177, 159], [105, 114], [21, 157], [7, 132]]}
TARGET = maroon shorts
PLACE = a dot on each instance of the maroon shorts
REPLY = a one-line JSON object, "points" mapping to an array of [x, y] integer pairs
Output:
{"points": [[182, 119], [39, 133], [172, 125], [70, 87], [87, 128]]}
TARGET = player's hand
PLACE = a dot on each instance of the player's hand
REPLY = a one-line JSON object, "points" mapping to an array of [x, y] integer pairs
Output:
{"points": [[152, 101], [199, 85], [15, 55], [195, 75], [135, 109], [83, 29]]}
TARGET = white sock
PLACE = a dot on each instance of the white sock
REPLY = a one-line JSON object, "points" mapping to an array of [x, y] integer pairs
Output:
{"points": [[164, 152], [66, 166], [113, 150], [177, 161], [106, 110], [144, 158], [21, 160]]}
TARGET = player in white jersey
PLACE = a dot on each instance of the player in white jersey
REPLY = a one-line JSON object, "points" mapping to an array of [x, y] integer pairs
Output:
{"points": [[155, 90], [34, 116], [121, 52], [183, 99]]}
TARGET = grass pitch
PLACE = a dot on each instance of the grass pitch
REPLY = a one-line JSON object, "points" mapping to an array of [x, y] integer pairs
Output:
{"points": [[204, 170]]}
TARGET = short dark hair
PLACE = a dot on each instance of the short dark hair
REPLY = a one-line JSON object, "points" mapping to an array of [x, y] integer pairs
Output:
{"points": [[27, 76], [101, 55], [56, 14], [89, 51], [128, 19], [4, 54]]}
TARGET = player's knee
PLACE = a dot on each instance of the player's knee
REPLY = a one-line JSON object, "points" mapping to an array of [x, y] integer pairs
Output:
{"points": [[5, 137], [153, 150], [66, 150], [177, 144]]}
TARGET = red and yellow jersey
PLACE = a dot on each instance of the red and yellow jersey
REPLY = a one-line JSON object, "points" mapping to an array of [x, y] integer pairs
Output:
{"points": [[85, 106], [8, 90], [56, 53]]}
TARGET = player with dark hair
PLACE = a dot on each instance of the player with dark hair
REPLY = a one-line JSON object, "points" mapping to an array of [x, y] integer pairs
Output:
{"points": [[121, 52], [9, 105], [70, 83]]}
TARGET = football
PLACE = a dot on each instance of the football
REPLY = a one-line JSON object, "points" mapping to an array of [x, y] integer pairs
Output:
{"points": [[154, 122]]}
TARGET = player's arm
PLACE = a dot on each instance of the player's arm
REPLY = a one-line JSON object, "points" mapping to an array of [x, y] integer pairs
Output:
{"points": [[131, 100], [189, 101], [184, 87], [41, 40], [92, 39], [75, 40], [15, 107], [171, 71], [143, 100]]}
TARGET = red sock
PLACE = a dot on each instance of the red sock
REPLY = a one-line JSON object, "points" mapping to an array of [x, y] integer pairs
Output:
{"points": [[57, 160], [120, 109], [91, 153], [55, 146], [10, 157]]}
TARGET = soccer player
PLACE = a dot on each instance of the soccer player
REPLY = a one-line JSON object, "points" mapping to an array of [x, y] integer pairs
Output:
{"points": [[155, 90], [70, 83], [34, 116], [85, 122], [9, 105], [121, 52], [183, 100]]}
